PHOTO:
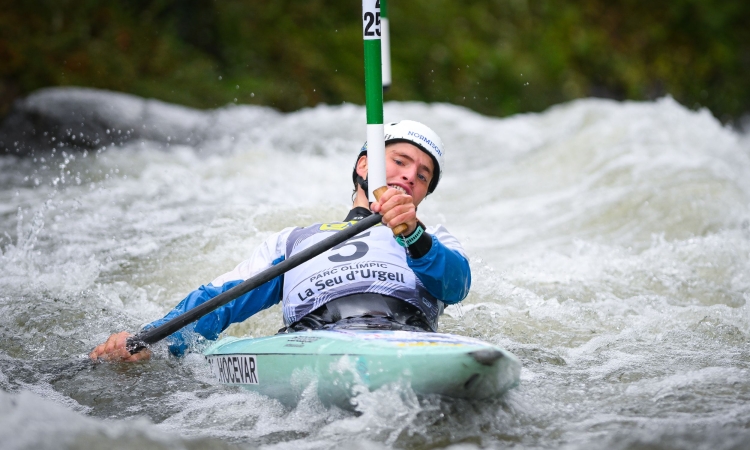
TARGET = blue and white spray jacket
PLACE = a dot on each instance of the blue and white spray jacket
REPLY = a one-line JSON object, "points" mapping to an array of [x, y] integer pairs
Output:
{"points": [[369, 262]]}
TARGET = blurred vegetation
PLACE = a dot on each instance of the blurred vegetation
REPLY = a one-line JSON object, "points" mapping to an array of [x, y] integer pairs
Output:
{"points": [[497, 57]]}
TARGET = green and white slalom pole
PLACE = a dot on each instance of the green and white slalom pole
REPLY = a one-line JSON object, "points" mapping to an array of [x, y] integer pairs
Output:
{"points": [[374, 102], [374, 97], [385, 44]]}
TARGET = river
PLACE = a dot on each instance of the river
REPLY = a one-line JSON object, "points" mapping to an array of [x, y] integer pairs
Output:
{"points": [[609, 245]]}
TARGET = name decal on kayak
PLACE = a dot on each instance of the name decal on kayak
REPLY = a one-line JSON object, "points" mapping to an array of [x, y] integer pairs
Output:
{"points": [[234, 369]]}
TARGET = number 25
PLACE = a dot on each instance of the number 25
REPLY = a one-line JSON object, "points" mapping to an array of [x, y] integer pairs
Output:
{"points": [[373, 19]]}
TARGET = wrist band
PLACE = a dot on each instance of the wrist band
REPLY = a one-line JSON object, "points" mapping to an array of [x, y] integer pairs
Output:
{"points": [[412, 238]]}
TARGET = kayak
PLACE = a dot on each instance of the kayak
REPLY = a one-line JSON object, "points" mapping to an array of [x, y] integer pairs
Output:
{"points": [[341, 363]]}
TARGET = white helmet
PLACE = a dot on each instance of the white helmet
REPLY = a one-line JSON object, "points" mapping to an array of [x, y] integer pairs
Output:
{"points": [[415, 133]]}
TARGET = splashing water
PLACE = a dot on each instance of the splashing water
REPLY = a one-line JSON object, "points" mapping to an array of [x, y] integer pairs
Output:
{"points": [[610, 250]]}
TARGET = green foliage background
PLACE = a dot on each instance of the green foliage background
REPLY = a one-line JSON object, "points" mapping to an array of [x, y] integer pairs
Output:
{"points": [[497, 57]]}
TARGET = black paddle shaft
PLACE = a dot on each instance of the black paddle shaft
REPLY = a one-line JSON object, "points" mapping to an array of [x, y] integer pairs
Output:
{"points": [[145, 338]]}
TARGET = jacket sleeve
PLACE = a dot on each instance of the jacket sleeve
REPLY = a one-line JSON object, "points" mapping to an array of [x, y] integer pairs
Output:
{"points": [[444, 270], [270, 253]]}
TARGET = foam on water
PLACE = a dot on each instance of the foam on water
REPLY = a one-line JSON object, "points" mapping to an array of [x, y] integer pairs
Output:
{"points": [[610, 249]]}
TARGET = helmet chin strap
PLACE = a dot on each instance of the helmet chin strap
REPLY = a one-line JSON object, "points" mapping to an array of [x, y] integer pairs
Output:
{"points": [[362, 182]]}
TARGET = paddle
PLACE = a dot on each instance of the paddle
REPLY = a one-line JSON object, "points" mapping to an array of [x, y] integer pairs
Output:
{"points": [[141, 340]]}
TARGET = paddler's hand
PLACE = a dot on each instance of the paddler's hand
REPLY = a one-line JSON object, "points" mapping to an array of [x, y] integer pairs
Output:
{"points": [[114, 350], [397, 207]]}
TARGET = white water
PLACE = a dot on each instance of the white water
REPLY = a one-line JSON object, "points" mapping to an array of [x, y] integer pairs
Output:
{"points": [[609, 242]]}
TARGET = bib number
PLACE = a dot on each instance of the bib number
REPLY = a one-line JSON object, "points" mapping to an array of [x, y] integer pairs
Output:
{"points": [[360, 249]]}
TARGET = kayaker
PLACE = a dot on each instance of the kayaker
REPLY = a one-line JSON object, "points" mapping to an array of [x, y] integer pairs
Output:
{"points": [[372, 281]]}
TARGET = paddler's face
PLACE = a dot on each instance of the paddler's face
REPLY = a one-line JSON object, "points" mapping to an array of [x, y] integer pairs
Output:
{"points": [[407, 168]]}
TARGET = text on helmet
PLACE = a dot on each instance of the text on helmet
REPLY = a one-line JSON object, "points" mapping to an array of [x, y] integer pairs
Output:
{"points": [[427, 141]]}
